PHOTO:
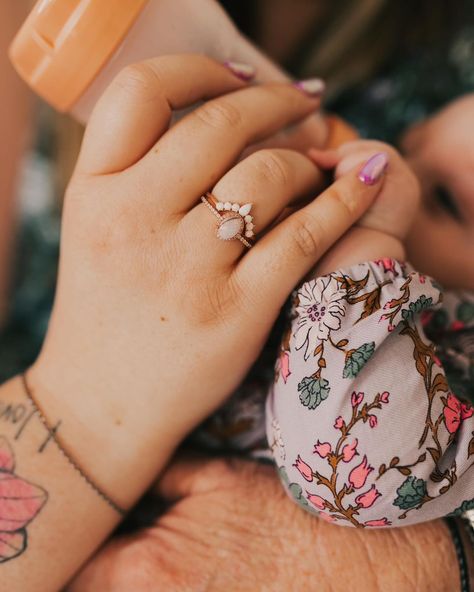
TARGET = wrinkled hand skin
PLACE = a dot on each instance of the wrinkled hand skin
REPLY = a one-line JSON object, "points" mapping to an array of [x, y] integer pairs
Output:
{"points": [[232, 528]]}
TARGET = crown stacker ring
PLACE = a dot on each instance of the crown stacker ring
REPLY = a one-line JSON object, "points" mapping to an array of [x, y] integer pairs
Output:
{"points": [[235, 221]]}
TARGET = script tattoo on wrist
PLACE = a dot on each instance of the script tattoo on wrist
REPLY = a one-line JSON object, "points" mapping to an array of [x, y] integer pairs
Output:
{"points": [[20, 502], [19, 416]]}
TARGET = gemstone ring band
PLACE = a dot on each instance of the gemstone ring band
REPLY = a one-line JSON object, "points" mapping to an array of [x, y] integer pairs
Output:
{"points": [[235, 221]]}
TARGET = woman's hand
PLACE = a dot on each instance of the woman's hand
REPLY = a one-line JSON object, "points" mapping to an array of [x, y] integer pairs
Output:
{"points": [[156, 320], [233, 528]]}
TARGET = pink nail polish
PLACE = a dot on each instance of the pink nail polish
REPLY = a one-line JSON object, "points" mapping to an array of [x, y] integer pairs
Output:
{"points": [[314, 87], [374, 168], [243, 71]]}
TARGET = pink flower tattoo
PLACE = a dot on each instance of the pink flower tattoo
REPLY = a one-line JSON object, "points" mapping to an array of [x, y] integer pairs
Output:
{"points": [[20, 502]]}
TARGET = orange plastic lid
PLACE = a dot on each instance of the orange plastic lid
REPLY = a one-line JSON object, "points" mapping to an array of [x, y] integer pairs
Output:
{"points": [[64, 44]]}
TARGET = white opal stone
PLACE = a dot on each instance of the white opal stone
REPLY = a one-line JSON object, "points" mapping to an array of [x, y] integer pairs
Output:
{"points": [[227, 205], [235, 207], [244, 210], [249, 233], [249, 226], [219, 206], [248, 218], [230, 227]]}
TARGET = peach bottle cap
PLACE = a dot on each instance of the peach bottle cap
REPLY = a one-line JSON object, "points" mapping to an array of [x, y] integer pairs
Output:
{"points": [[64, 44]]}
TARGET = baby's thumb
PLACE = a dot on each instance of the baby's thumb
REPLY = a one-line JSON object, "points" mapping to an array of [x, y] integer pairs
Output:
{"points": [[324, 159]]}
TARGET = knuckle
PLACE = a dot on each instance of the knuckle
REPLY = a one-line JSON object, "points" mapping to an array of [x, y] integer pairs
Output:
{"points": [[274, 167], [219, 114], [307, 235], [140, 80]]}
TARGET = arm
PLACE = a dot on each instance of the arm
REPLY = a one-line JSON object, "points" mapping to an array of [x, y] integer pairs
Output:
{"points": [[230, 528], [142, 340], [361, 418]]}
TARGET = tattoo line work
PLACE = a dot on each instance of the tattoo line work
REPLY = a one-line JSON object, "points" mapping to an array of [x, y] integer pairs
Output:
{"points": [[20, 502]]}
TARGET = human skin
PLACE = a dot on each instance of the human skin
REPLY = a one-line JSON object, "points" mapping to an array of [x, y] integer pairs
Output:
{"points": [[441, 153], [150, 306], [233, 528]]}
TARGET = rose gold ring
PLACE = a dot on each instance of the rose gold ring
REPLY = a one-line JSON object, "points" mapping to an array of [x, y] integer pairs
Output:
{"points": [[235, 221]]}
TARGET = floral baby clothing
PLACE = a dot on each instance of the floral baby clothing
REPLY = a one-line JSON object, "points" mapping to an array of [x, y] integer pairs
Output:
{"points": [[366, 418]]}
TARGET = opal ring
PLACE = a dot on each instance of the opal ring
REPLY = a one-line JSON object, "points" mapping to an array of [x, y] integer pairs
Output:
{"points": [[234, 220]]}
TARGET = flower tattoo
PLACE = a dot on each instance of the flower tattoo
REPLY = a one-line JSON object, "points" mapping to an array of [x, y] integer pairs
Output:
{"points": [[20, 502]]}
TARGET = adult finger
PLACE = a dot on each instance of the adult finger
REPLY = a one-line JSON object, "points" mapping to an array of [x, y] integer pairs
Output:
{"points": [[136, 108], [267, 180], [193, 155], [292, 248]]}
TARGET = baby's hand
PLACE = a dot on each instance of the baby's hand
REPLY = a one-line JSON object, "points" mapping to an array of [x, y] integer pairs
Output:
{"points": [[394, 209]]}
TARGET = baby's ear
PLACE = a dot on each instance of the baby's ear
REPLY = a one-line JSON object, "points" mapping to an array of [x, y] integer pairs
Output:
{"points": [[324, 159]]}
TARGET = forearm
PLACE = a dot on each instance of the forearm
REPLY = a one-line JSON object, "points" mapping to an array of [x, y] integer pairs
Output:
{"points": [[52, 519], [420, 558]]}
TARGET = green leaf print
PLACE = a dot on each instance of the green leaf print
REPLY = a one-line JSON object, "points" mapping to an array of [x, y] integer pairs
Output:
{"points": [[465, 312], [313, 391], [410, 493], [423, 303], [464, 507], [357, 359], [294, 489]]}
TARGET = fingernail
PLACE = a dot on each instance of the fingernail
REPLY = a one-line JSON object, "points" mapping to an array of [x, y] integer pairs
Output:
{"points": [[243, 71], [374, 168], [314, 87]]}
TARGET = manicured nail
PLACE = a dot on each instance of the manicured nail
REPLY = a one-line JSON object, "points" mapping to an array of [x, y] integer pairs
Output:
{"points": [[374, 168], [314, 87], [243, 71]]}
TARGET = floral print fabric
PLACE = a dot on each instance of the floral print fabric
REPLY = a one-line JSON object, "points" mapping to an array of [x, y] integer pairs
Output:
{"points": [[366, 419]]}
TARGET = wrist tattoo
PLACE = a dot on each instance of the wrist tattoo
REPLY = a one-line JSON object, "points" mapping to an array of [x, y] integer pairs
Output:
{"points": [[53, 436]]}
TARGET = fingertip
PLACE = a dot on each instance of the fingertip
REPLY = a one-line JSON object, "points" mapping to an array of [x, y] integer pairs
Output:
{"points": [[244, 72], [325, 159], [374, 169]]}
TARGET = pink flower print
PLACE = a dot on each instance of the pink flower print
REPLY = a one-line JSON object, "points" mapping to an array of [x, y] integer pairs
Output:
{"points": [[285, 365], [387, 264], [322, 448], [384, 397], [378, 522], [454, 412], [457, 325], [339, 423], [317, 501], [349, 451], [304, 469], [356, 399], [367, 499], [372, 421], [422, 278], [358, 475]]}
